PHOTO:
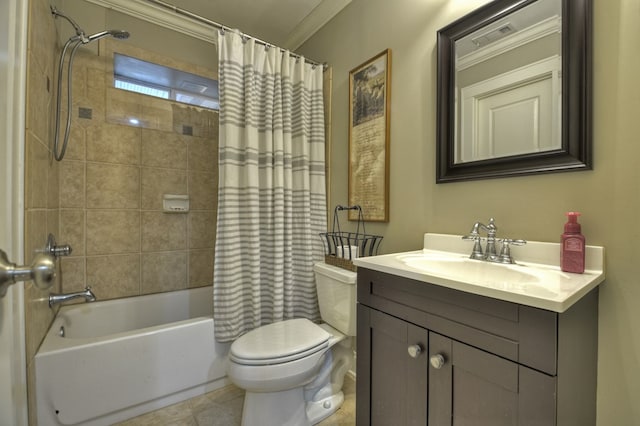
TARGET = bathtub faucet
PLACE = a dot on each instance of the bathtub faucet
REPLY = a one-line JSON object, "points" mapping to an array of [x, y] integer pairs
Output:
{"points": [[87, 294]]}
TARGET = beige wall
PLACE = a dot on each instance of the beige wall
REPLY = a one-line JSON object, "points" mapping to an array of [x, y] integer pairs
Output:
{"points": [[524, 207]]}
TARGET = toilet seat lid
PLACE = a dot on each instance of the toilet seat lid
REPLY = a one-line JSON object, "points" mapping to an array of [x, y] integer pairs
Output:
{"points": [[279, 342]]}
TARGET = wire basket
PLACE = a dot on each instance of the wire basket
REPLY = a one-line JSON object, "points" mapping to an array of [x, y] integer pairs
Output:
{"points": [[341, 247]]}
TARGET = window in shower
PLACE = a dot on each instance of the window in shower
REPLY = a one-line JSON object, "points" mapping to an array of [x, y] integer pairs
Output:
{"points": [[136, 75]]}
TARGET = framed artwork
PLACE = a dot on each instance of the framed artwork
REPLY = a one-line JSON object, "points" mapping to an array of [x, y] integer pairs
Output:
{"points": [[369, 96]]}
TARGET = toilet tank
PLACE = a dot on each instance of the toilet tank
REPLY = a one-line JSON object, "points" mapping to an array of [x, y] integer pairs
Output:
{"points": [[336, 289]]}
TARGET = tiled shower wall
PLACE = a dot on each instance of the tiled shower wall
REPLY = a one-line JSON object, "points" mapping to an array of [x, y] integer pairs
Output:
{"points": [[113, 178], [105, 197]]}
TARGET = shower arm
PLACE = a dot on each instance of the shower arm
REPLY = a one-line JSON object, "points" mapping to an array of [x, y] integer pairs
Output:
{"points": [[79, 31]]}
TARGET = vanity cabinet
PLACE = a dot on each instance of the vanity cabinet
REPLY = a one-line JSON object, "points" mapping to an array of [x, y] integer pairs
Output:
{"points": [[431, 355]]}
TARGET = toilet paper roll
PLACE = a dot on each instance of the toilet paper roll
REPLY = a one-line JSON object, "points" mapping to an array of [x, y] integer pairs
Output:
{"points": [[347, 252]]}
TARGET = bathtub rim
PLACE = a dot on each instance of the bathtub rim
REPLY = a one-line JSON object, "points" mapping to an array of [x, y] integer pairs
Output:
{"points": [[53, 342]]}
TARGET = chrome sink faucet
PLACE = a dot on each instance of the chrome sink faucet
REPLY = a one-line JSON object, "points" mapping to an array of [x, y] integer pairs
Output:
{"points": [[490, 254], [87, 294]]}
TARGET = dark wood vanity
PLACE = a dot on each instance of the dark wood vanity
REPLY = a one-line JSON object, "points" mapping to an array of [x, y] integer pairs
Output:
{"points": [[431, 355]]}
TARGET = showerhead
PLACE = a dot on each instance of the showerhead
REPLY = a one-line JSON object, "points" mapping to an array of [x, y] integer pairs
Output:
{"points": [[80, 34], [120, 35]]}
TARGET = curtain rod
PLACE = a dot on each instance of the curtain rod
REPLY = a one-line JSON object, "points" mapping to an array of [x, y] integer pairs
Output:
{"points": [[223, 28]]}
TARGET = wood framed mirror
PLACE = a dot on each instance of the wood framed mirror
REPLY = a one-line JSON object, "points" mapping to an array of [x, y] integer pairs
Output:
{"points": [[514, 90]]}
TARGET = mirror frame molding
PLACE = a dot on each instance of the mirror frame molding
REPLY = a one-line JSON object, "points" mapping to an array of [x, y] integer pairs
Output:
{"points": [[576, 150]]}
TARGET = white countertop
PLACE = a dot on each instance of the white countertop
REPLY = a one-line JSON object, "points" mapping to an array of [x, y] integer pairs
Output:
{"points": [[536, 280]]}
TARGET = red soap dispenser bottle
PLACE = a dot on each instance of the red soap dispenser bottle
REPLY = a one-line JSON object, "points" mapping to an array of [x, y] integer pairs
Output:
{"points": [[572, 245]]}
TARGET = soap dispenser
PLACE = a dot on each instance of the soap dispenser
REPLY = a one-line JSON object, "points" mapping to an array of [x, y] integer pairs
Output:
{"points": [[572, 245]]}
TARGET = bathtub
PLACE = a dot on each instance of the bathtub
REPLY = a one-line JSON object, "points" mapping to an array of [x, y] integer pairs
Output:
{"points": [[105, 362]]}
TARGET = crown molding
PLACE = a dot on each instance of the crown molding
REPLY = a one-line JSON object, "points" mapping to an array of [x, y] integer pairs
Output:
{"points": [[166, 18], [319, 16], [160, 16]]}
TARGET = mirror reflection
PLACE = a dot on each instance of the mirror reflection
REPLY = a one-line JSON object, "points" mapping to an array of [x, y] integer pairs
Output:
{"points": [[508, 85]]}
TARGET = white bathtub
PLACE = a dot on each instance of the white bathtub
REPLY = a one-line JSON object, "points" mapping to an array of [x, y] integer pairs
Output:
{"points": [[121, 358]]}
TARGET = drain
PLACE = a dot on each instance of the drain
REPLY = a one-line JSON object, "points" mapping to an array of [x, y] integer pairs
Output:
{"points": [[61, 332]]}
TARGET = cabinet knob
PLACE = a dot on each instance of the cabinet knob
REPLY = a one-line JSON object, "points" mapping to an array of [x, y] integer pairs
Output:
{"points": [[437, 361], [414, 350]]}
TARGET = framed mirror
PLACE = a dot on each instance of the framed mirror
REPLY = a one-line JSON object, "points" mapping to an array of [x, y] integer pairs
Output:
{"points": [[514, 90]]}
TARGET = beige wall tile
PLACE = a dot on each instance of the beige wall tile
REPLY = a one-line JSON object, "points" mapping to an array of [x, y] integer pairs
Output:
{"points": [[201, 267], [90, 60], [113, 231], [78, 83], [41, 27], [53, 223], [161, 149], [37, 183], [53, 183], [114, 276], [72, 184], [38, 98], [72, 274], [203, 191], [121, 106], [113, 186], [203, 154], [202, 229], [72, 228], [157, 182], [113, 143], [76, 145], [163, 231], [185, 116], [164, 271], [155, 114], [39, 317], [96, 91], [36, 232], [197, 119]]}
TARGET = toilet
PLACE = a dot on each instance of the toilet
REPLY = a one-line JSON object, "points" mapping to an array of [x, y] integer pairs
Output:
{"points": [[292, 371]]}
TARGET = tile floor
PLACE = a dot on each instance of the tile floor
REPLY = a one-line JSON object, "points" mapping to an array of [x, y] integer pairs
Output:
{"points": [[223, 407]]}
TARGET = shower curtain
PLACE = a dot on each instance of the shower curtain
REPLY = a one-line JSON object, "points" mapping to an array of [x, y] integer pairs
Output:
{"points": [[271, 199]]}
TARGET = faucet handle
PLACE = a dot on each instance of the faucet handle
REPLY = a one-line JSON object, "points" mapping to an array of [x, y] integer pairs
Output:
{"points": [[505, 252], [476, 253], [509, 241], [492, 228], [53, 249]]}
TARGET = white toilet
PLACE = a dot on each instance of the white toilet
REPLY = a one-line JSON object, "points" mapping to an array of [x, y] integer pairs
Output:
{"points": [[293, 370]]}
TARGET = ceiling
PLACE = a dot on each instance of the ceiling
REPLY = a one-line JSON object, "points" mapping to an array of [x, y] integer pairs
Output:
{"points": [[285, 23], [270, 20]]}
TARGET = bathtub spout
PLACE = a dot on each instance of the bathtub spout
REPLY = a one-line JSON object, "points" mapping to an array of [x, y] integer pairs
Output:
{"points": [[87, 294]]}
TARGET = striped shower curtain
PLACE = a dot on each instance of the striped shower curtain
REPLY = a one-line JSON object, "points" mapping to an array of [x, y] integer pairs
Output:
{"points": [[271, 200]]}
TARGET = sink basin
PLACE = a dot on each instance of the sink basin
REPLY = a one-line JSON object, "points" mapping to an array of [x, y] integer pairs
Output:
{"points": [[462, 267], [536, 280]]}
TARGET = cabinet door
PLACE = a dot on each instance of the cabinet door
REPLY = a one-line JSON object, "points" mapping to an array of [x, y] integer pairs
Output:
{"points": [[393, 389], [470, 387]]}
